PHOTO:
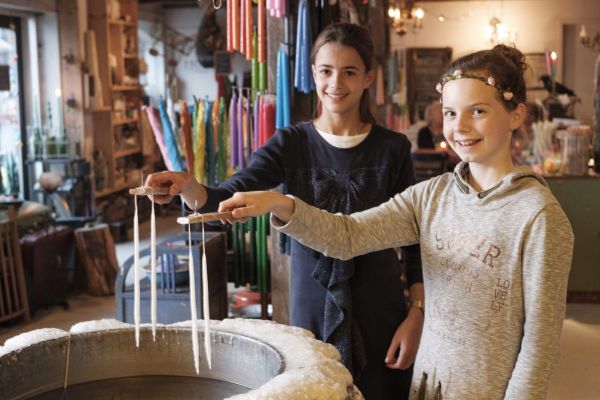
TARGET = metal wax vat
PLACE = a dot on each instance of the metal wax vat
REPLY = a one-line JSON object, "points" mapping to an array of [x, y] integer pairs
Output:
{"points": [[107, 365]]}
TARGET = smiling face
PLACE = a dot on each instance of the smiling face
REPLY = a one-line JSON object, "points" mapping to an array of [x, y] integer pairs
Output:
{"points": [[341, 78], [476, 124]]}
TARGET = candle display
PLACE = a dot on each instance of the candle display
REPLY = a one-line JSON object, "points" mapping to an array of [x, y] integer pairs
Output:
{"points": [[548, 62], [200, 143], [553, 65], [229, 23], [303, 72], [283, 117], [254, 71], [154, 119], [210, 143], [233, 131], [243, 26], [262, 35], [240, 130], [248, 125], [249, 31], [235, 24], [186, 133], [169, 138], [222, 155]]}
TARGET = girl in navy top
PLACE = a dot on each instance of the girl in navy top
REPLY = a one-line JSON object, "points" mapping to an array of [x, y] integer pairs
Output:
{"points": [[342, 161]]}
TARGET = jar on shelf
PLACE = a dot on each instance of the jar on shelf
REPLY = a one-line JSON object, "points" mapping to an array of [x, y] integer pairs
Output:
{"points": [[576, 150]]}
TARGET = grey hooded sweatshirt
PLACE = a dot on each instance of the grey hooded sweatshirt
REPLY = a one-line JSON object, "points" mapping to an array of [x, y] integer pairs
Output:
{"points": [[495, 270]]}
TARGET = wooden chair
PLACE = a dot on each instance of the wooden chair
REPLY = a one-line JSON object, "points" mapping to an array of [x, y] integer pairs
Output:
{"points": [[13, 291], [428, 164]]}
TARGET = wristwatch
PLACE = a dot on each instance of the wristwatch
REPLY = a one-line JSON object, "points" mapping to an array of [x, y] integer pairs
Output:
{"points": [[418, 303]]}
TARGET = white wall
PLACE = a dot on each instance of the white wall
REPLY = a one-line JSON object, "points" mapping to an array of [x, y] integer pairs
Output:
{"points": [[538, 25], [193, 78]]}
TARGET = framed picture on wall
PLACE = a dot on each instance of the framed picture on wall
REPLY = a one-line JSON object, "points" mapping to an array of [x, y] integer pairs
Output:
{"points": [[424, 68], [537, 68]]}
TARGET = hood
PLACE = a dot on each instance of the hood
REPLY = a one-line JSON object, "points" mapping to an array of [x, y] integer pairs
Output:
{"points": [[521, 177]]}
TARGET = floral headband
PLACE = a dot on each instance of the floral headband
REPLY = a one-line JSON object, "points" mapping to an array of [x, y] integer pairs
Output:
{"points": [[506, 94]]}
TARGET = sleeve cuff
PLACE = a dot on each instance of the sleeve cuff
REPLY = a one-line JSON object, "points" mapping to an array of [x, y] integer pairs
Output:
{"points": [[287, 226]]}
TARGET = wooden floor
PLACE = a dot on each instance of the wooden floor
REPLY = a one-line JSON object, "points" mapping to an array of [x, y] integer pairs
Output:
{"points": [[575, 377]]}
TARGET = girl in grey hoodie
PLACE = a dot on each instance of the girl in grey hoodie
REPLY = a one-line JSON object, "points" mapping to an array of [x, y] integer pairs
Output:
{"points": [[496, 246]]}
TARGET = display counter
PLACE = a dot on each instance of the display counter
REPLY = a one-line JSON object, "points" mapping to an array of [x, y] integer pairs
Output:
{"points": [[579, 197]]}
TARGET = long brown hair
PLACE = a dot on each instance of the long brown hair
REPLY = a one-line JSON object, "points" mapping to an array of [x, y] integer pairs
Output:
{"points": [[359, 38]]}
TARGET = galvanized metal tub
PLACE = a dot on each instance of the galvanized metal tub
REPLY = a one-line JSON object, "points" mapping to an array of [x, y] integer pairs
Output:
{"points": [[99, 362]]}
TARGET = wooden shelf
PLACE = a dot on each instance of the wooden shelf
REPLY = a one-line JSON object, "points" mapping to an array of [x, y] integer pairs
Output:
{"points": [[121, 23], [127, 152], [122, 88], [116, 52], [98, 109], [125, 121]]}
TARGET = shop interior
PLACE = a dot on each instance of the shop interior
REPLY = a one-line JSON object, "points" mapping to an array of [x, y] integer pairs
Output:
{"points": [[95, 95]]}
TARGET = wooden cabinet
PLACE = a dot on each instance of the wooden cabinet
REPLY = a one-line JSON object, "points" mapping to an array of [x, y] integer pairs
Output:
{"points": [[113, 113]]}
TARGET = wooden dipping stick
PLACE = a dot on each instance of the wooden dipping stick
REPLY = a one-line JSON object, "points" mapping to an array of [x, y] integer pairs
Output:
{"points": [[208, 217], [148, 191]]}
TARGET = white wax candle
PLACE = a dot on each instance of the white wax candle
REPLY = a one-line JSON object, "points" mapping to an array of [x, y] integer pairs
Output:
{"points": [[205, 304], [153, 271], [193, 304], [136, 273]]}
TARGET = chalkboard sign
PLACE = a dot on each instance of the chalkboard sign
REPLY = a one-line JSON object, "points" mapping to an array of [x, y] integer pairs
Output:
{"points": [[222, 63], [424, 68]]}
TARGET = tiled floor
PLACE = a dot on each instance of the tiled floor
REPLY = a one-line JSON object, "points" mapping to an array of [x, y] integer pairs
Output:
{"points": [[576, 376]]}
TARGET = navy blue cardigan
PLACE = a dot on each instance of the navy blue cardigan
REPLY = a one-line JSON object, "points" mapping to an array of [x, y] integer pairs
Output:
{"points": [[340, 180]]}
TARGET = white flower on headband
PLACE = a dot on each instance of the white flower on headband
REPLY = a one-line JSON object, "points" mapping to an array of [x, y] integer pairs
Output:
{"points": [[491, 81], [457, 73], [438, 87], [507, 96]]}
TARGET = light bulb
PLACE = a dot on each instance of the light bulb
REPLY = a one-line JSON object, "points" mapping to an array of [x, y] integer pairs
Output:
{"points": [[418, 13]]}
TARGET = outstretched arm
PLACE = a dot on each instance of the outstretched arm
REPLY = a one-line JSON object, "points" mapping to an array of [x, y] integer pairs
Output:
{"points": [[179, 183], [392, 224]]}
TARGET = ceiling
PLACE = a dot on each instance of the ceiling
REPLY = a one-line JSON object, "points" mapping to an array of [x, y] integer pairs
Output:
{"points": [[193, 3]]}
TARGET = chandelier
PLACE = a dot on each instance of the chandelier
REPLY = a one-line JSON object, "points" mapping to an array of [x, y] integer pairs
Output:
{"points": [[497, 32], [404, 15]]}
